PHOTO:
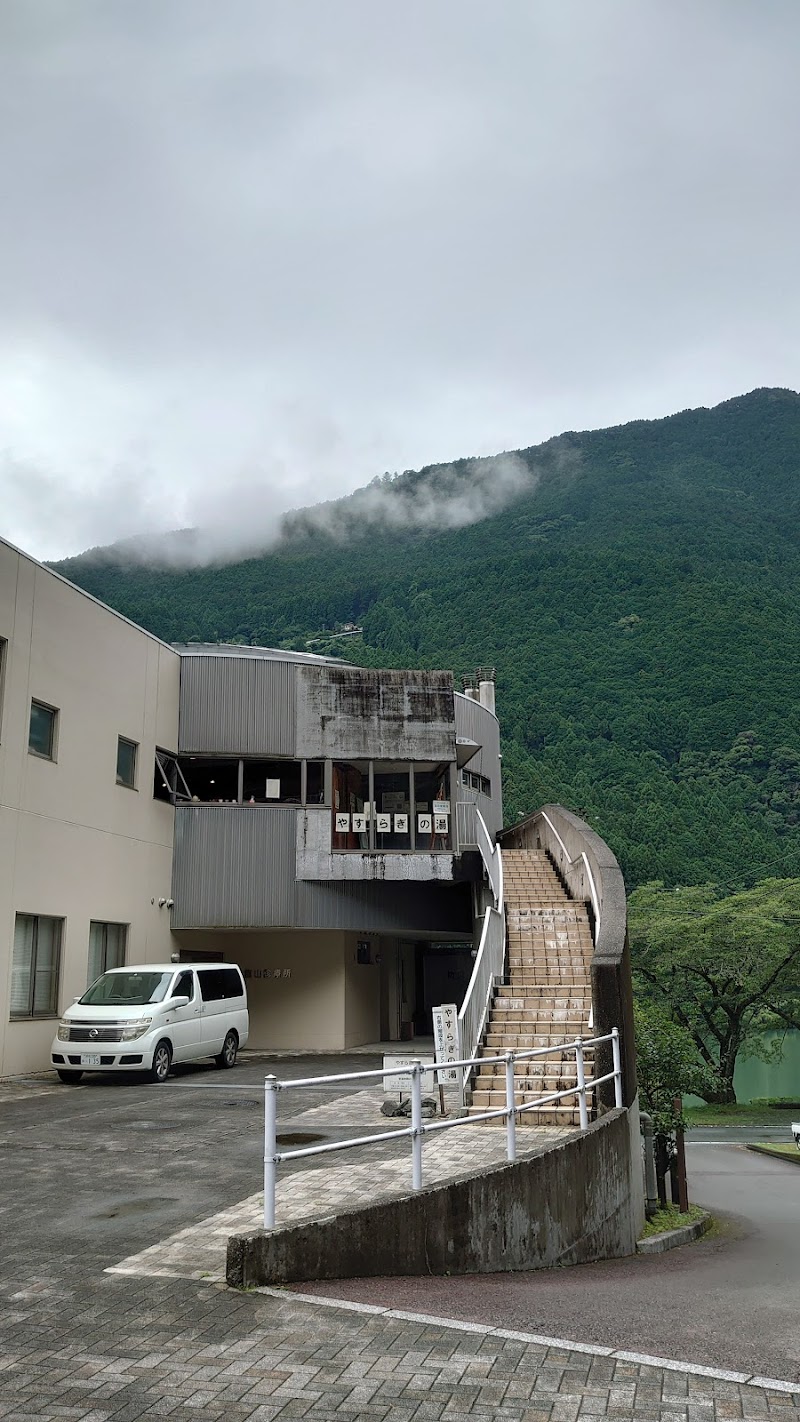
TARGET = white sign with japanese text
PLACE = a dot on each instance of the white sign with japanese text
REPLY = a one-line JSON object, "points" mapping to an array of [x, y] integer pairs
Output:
{"points": [[446, 1041]]}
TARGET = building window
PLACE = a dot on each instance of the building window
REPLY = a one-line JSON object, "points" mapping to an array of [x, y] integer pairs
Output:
{"points": [[35, 966], [107, 944], [476, 782], [126, 762], [383, 806], [42, 730]]}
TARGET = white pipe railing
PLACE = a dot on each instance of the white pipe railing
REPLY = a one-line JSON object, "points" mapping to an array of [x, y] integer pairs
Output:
{"points": [[510, 1112], [490, 960], [489, 965], [492, 859]]}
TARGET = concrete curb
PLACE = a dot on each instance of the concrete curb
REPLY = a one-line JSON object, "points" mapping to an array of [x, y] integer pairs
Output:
{"points": [[672, 1238], [773, 1155]]}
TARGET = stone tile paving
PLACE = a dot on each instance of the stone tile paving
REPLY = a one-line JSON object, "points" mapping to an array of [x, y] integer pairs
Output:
{"points": [[199, 1250], [122, 1349]]}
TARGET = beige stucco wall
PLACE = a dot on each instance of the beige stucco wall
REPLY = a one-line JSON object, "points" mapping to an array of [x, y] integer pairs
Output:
{"points": [[328, 1001], [73, 843]]}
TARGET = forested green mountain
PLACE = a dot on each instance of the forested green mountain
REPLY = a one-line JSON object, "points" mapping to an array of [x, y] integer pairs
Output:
{"points": [[640, 601]]}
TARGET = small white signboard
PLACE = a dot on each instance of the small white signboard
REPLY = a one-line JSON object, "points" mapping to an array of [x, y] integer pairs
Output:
{"points": [[441, 807], [359, 824], [401, 1083], [383, 824], [441, 823], [424, 824], [446, 1042], [342, 824], [401, 824]]}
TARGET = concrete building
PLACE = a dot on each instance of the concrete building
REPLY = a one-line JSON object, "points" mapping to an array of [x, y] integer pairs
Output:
{"points": [[310, 820]]}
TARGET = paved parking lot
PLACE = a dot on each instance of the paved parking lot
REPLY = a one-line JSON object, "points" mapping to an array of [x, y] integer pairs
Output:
{"points": [[92, 1174]]}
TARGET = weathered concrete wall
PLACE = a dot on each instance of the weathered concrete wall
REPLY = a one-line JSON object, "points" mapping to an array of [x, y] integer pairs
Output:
{"points": [[356, 713], [567, 839], [569, 1204]]}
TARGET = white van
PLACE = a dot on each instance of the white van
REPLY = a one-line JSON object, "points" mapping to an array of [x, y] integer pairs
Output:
{"points": [[145, 1018]]}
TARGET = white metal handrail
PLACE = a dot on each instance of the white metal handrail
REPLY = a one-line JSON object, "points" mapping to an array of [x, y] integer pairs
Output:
{"points": [[490, 960], [489, 965], [492, 859], [418, 1128]]}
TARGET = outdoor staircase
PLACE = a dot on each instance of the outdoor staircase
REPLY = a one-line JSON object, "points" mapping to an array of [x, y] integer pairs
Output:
{"points": [[548, 996]]}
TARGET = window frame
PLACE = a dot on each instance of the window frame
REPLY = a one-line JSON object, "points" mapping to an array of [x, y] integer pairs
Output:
{"points": [[52, 754], [32, 1015], [134, 745]]}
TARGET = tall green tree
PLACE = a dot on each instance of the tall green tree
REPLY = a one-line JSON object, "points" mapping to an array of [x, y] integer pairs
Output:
{"points": [[725, 967]]}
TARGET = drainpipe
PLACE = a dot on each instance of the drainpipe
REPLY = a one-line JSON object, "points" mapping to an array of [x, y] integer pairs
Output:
{"points": [[650, 1182]]}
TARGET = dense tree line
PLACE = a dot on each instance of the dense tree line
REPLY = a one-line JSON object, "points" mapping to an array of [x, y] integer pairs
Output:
{"points": [[641, 604]]}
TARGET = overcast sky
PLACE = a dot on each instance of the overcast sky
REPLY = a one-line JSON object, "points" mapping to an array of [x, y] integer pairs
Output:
{"points": [[254, 253]]}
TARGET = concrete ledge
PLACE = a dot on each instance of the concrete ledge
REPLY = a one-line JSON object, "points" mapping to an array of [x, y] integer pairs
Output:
{"points": [[672, 1238], [567, 1204], [773, 1154]]}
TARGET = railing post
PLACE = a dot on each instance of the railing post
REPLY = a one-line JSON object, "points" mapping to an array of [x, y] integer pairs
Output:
{"points": [[584, 1114], [511, 1122], [270, 1148], [617, 1066], [416, 1126]]}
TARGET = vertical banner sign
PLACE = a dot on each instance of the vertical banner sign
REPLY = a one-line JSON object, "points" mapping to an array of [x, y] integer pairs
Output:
{"points": [[446, 1043]]}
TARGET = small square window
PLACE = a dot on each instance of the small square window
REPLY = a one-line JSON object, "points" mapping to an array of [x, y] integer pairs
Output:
{"points": [[42, 730], [126, 763]]}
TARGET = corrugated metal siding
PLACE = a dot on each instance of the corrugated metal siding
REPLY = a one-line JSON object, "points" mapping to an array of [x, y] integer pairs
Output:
{"points": [[478, 724], [386, 907], [237, 706], [465, 818], [233, 867]]}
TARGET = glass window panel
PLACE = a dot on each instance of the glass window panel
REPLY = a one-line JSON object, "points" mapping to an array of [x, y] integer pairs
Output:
{"points": [[22, 964], [41, 733], [392, 806], [116, 938], [212, 781], [271, 782], [350, 810], [96, 952], [315, 782], [126, 763], [45, 981], [433, 807]]}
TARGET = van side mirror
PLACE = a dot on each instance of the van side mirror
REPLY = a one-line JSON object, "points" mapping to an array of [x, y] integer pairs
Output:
{"points": [[178, 1002]]}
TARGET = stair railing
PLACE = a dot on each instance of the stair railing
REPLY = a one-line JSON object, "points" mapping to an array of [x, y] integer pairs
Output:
{"points": [[490, 959], [510, 1113]]}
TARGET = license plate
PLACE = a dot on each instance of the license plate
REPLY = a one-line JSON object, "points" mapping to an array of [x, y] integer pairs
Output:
{"points": [[88, 1059]]}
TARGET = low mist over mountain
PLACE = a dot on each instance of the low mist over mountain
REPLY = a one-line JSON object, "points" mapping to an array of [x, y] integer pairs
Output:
{"points": [[637, 588]]}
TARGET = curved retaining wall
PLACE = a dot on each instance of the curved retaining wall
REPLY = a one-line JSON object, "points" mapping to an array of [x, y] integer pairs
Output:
{"points": [[568, 1204], [590, 871]]}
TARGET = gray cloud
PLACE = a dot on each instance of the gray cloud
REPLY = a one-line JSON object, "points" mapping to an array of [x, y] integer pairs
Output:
{"points": [[258, 253]]}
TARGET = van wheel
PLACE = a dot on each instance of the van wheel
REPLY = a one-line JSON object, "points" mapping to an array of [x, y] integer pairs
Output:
{"points": [[162, 1061], [70, 1078], [227, 1057]]}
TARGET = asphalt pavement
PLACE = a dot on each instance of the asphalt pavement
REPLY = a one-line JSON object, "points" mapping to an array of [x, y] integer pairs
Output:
{"points": [[730, 1300]]}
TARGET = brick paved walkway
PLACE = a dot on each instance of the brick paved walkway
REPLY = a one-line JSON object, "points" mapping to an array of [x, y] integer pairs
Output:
{"points": [[199, 1250], [198, 1353]]}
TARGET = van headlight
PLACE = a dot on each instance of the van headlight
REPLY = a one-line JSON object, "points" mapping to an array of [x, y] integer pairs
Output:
{"points": [[63, 1030], [132, 1030]]}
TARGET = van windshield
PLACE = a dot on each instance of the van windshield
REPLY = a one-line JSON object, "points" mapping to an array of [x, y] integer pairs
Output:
{"points": [[132, 989]]}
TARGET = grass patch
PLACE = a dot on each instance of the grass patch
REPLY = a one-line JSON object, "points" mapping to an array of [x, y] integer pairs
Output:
{"points": [[753, 1114], [670, 1217], [786, 1152]]}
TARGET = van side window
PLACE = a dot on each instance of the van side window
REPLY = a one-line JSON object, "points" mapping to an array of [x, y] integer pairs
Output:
{"points": [[184, 987], [219, 983]]}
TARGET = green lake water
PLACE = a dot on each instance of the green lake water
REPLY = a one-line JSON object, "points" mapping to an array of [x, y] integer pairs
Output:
{"points": [[755, 1079]]}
